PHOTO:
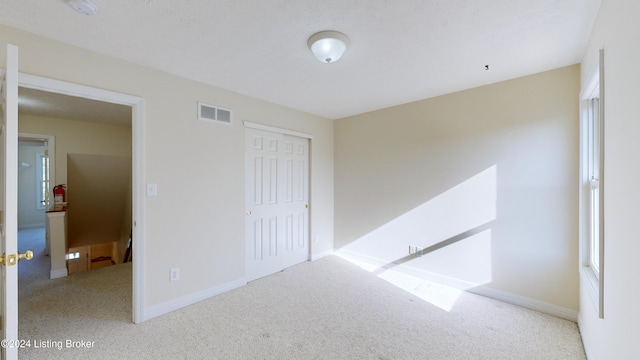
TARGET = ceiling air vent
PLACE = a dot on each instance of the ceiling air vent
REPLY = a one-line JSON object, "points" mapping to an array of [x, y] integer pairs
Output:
{"points": [[213, 113]]}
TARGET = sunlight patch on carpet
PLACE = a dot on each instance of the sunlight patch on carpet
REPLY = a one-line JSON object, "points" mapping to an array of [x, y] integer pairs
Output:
{"points": [[440, 295], [433, 292]]}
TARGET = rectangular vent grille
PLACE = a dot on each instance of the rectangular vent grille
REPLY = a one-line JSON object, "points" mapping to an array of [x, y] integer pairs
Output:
{"points": [[213, 113]]}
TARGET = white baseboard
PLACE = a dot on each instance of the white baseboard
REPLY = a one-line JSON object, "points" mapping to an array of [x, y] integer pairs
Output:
{"points": [[322, 254], [31, 226], [58, 273], [373, 263], [179, 303], [486, 291], [533, 304], [184, 301], [586, 340]]}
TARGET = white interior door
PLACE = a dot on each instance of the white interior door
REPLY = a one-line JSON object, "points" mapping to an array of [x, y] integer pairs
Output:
{"points": [[277, 202], [263, 225], [295, 200], [9, 218]]}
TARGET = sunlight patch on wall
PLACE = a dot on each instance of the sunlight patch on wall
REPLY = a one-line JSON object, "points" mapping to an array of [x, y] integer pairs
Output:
{"points": [[454, 235]]}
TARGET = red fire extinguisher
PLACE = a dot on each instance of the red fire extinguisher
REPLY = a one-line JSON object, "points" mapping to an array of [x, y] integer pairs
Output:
{"points": [[59, 194]]}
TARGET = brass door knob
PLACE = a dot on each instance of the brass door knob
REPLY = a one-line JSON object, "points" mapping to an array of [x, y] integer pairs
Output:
{"points": [[27, 255], [12, 259], [248, 212]]}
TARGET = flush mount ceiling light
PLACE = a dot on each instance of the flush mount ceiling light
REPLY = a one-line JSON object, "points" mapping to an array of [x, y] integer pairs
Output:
{"points": [[85, 7], [328, 46]]}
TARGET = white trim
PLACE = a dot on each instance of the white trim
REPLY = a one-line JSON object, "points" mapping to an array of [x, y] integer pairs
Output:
{"points": [[9, 135], [592, 86], [583, 194], [320, 255], [51, 147], [57, 214], [50, 142], [406, 269], [184, 301], [590, 282], [278, 130], [138, 169], [586, 340], [533, 304], [62, 87], [32, 226], [59, 273], [482, 290], [602, 189], [40, 179], [138, 179]]}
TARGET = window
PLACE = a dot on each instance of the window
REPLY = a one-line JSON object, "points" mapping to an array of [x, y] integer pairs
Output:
{"points": [[592, 189], [42, 180], [593, 167]]}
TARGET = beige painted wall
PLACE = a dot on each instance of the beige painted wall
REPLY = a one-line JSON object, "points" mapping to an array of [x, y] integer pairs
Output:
{"points": [[85, 138], [196, 223], [77, 137], [501, 159], [616, 336]]}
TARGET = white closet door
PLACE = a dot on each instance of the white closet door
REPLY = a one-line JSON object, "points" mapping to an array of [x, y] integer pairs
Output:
{"points": [[295, 203], [277, 202]]}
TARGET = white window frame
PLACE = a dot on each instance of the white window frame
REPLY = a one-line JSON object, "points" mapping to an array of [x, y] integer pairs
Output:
{"points": [[592, 186], [594, 143], [42, 183]]}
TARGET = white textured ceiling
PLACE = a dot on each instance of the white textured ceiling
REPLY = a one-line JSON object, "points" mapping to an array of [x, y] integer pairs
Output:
{"points": [[401, 50]]}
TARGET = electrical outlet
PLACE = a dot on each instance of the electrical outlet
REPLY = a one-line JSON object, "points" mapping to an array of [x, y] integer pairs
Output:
{"points": [[415, 250], [175, 274]]}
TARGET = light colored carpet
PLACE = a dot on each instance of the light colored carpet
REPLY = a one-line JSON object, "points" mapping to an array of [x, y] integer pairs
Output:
{"points": [[327, 309]]}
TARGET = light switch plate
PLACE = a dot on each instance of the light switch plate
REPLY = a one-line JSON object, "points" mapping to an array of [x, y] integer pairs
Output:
{"points": [[175, 274], [152, 189]]}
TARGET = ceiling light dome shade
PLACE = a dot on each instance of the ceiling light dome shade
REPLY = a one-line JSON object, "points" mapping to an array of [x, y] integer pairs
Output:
{"points": [[85, 7], [328, 46]]}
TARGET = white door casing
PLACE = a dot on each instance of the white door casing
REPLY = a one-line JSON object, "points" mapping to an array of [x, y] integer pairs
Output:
{"points": [[138, 176], [9, 218], [277, 201], [49, 144]]}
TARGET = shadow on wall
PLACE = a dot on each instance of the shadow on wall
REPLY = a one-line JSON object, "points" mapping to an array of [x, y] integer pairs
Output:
{"points": [[99, 195], [446, 240]]}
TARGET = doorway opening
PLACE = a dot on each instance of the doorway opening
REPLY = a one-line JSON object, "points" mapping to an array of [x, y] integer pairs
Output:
{"points": [[35, 171], [135, 108]]}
